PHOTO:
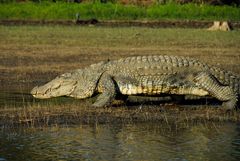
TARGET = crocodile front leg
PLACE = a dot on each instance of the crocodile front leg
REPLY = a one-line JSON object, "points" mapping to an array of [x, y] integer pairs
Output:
{"points": [[107, 89], [216, 89]]}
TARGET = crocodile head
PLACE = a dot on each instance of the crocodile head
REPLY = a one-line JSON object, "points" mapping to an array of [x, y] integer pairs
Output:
{"points": [[79, 84], [60, 86]]}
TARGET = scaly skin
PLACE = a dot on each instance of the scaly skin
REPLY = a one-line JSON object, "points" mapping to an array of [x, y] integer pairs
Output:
{"points": [[145, 75]]}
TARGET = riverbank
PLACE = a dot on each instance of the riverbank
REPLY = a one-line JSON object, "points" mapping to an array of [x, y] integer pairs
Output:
{"points": [[33, 55], [114, 11]]}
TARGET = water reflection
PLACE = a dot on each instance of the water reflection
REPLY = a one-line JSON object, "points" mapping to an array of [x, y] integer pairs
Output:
{"points": [[148, 141]]}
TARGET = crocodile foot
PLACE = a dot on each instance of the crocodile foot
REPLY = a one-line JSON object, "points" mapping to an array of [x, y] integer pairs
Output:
{"points": [[217, 90], [106, 84], [229, 105]]}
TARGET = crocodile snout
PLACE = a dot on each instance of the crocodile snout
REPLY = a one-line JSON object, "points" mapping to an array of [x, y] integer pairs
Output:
{"points": [[34, 91], [38, 92]]}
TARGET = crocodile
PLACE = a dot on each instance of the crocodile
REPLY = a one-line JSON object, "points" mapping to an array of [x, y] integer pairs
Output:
{"points": [[145, 75]]}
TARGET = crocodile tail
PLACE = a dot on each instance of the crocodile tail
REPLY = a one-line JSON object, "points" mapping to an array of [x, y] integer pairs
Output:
{"points": [[227, 78]]}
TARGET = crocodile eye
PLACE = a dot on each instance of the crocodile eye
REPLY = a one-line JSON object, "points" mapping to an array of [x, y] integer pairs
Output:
{"points": [[48, 90]]}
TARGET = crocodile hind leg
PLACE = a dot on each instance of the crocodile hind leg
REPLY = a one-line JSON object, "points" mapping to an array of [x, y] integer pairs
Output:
{"points": [[108, 91], [216, 89]]}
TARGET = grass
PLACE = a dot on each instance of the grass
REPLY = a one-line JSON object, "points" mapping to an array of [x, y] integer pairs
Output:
{"points": [[32, 55], [110, 11], [32, 116], [26, 48]]}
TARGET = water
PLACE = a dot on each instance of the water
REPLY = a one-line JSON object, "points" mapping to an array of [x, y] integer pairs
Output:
{"points": [[128, 142], [120, 142]]}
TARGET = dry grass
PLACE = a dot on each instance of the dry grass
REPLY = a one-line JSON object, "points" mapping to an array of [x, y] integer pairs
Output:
{"points": [[56, 46]]}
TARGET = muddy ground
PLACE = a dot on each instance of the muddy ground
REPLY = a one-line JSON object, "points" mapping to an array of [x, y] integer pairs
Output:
{"points": [[33, 55]]}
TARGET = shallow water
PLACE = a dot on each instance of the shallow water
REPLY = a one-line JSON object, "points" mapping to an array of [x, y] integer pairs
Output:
{"points": [[21, 98], [146, 141]]}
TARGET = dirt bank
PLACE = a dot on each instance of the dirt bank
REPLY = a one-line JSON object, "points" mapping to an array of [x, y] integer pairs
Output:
{"points": [[119, 23]]}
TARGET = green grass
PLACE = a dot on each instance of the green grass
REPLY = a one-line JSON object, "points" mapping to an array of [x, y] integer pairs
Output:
{"points": [[67, 11]]}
